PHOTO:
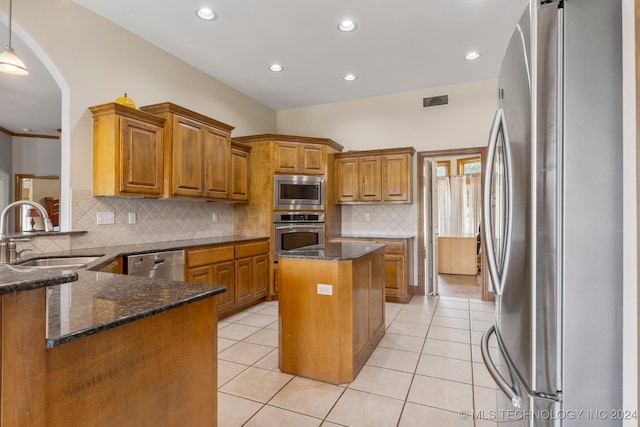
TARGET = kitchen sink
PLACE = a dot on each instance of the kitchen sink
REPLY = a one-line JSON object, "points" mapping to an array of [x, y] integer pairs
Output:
{"points": [[59, 262]]}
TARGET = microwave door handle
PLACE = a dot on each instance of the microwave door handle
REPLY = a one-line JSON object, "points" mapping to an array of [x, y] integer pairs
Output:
{"points": [[289, 227]]}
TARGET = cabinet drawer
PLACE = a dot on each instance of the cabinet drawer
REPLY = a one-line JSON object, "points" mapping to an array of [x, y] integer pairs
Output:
{"points": [[251, 249], [208, 255], [392, 247]]}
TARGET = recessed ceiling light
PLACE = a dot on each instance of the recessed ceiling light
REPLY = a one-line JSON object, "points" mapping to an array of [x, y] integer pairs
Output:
{"points": [[26, 130], [276, 67], [350, 77], [347, 26], [471, 56], [206, 14]]}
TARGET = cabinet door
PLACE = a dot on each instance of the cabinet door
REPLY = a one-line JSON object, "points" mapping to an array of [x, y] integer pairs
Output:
{"points": [[396, 178], [115, 266], [202, 275], [260, 282], [395, 282], [370, 179], [187, 164], [141, 158], [244, 275], [347, 182], [224, 275], [313, 159], [217, 147], [239, 185], [286, 157]]}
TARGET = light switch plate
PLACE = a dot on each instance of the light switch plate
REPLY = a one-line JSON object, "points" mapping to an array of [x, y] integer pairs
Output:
{"points": [[105, 218], [325, 289]]}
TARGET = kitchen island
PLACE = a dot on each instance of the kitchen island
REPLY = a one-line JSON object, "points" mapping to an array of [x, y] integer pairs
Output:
{"points": [[90, 348], [331, 309]]}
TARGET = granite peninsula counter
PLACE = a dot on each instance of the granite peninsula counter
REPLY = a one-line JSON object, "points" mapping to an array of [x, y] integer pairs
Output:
{"points": [[331, 309]]}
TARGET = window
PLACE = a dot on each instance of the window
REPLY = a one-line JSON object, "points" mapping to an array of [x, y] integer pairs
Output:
{"points": [[444, 168], [469, 165]]}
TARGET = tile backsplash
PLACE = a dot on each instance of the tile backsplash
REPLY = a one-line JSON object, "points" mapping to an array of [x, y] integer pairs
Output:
{"points": [[384, 220], [156, 220]]}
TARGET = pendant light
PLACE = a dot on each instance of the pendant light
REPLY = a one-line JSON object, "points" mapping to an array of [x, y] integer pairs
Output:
{"points": [[9, 61]]}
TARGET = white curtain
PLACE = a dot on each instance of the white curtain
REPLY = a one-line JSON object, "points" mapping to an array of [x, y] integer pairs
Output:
{"points": [[444, 205], [459, 199], [475, 199]]}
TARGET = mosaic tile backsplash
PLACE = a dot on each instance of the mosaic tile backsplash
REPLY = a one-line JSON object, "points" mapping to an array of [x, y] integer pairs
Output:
{"points": [[384, 220], [156, 220]]}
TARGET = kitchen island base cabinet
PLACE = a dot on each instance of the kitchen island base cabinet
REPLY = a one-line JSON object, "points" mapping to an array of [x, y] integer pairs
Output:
{"points": [[331, 315]]}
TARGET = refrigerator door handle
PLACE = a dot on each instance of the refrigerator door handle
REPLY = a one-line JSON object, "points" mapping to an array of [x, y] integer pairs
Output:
{"points": [[487, 226], [508, 389]]}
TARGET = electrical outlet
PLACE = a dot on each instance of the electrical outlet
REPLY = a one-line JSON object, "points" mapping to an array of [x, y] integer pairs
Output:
{"points": [[325, 289], [132, 218], [367, 217], [105, 218], [214, 217]]}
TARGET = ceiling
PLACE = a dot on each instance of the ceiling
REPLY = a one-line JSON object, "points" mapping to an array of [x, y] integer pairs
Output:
{"points": [[398, 45]]}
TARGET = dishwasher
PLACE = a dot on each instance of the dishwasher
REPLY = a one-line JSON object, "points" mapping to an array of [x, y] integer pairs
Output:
{"points": [[157, 265]]}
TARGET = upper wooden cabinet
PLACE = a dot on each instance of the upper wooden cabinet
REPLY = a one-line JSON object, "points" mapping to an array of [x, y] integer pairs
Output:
{"points": [[299, 158], [378, 176], [239, 181], [127, 152], [198, 150]]}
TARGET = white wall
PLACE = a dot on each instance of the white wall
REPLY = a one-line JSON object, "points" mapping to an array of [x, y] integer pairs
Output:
{"points": [[6, 174], [36, 156], [399, 120]]}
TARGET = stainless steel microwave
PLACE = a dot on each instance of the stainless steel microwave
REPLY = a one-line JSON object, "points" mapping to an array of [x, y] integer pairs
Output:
{"points": [[298, 192]]}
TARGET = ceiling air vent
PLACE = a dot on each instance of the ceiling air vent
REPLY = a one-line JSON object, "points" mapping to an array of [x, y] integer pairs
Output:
{"points": [[434, 101]]}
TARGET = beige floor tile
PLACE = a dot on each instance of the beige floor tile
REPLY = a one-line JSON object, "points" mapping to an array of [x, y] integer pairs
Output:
{"points": [[445, 368], [358, 409], [309, 397], [454, 350], [402, 342], [449, 334], [480, 325], [273, 326], [476, 354], [270, 362], [452, 312], [482, 315], [234, 318], [476, 338], [419, 415], [485, 306], [429, 301], [489, 423], [394, 359], [386, 382], [422, 319], [244, 353], [256, 384], [329, 424], [456, 304], [268, 337], [419, 309], [411, 329], [485, 402], [452, 298], [224, 343], [237, 332], [222, 324], [270, 416], [258, 320], [481, 376], [227, 371], [391, 309], [234, 411], [450, 322], [268, 309], [443, 394]]}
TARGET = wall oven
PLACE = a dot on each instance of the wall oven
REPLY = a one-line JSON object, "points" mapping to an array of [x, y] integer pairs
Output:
{"points": [[293, 230], [298, 192]]}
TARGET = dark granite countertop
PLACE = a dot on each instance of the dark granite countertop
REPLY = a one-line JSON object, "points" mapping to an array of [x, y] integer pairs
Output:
{"points": [[333, 251], [14, 278], [100, 301], [371, 236]]}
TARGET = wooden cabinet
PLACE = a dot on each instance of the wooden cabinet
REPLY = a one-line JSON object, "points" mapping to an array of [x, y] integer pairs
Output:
{"points": [[114, 266], [379, 176], [239, 182], [398, 265], [128, 149], [457, 255], [300, 158], [242, 268]]}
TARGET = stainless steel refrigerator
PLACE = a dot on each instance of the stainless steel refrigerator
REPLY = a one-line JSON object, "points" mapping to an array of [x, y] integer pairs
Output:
{"points": [[552, 218]]}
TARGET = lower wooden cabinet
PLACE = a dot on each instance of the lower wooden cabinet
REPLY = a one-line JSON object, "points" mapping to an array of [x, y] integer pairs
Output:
{"points": [[398, 265], [242, 268]]}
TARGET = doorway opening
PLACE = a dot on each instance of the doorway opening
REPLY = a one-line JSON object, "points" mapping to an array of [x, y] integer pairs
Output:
{"points": [[460, 269]]}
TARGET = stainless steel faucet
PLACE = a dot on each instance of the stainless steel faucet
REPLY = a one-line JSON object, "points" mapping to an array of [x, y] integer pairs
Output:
{"points": [[7, 244]]}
